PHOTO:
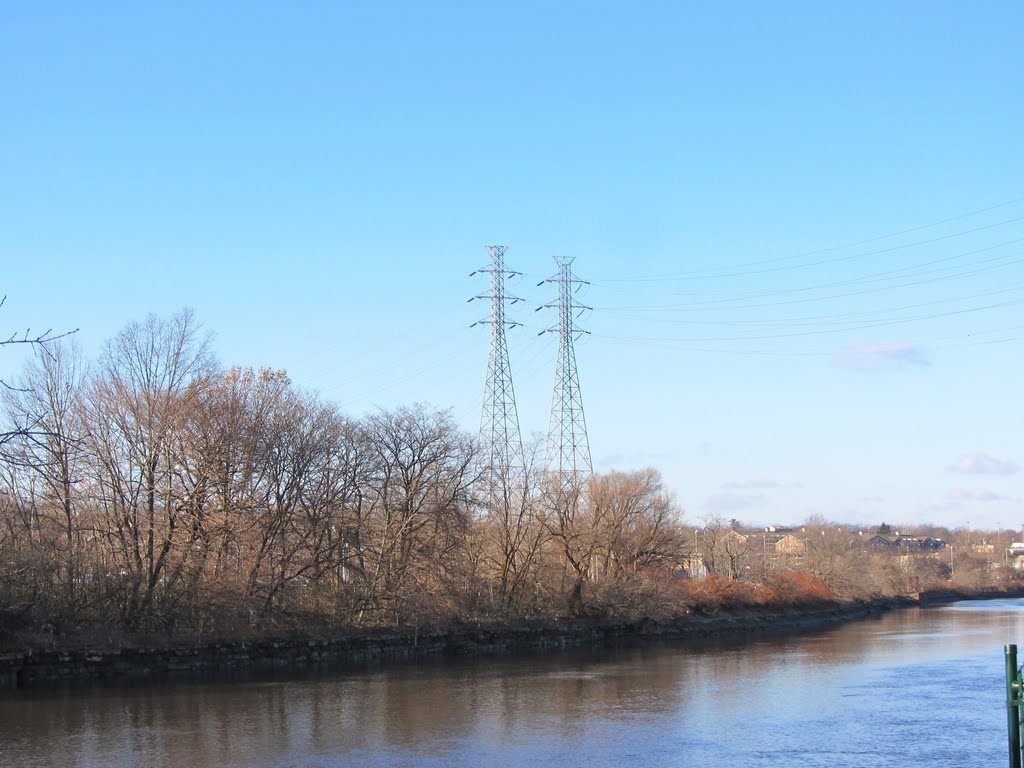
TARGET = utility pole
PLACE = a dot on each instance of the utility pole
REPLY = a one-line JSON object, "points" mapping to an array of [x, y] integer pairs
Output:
{"points": [[500, 461], [567, 456]]}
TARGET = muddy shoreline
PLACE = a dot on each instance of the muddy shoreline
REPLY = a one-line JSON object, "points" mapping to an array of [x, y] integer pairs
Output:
{"points": [[132, 660]]}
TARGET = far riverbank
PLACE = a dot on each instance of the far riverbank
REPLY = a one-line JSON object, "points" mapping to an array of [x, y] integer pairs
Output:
{"points": [[134, 658]]}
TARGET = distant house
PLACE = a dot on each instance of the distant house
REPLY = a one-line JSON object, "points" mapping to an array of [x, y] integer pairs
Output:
{"points": [[919, 544], [906, 544], [789, 545], [734, 538]]}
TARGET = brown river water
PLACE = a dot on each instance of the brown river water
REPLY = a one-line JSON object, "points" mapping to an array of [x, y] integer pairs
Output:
{"points": [[916, 687]]}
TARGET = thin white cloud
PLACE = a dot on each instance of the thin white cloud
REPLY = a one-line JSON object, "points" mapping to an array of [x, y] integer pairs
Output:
{"points": [[970, 494], [732, 502], [751, 484], [881, 356], [982, 464], [945, 506], [634, 459], [757, 485]]}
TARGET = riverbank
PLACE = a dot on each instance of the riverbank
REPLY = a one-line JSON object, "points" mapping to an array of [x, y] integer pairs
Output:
{"points": [[135, 659], [815, 695], [152, 659]]}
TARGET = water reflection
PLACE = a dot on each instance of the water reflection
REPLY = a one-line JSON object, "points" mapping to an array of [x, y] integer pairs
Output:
{"points": [[917, 687]]}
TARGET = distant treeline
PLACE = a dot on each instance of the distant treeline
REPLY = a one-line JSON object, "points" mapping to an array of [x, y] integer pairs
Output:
{"points": [[153, 491]]}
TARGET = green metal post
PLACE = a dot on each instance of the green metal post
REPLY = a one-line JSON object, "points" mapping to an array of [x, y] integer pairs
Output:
{"points": [[1013, 702]]}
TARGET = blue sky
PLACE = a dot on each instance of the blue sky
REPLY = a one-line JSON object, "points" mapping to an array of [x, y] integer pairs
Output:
{"points": [[803, 223]]}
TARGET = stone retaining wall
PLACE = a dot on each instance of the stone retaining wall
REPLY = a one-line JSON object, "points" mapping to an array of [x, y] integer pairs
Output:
{"points": [[31, 668], [940, 596]]}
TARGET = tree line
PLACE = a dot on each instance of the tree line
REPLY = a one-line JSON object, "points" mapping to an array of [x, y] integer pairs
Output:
{"points": [[152, 490]]}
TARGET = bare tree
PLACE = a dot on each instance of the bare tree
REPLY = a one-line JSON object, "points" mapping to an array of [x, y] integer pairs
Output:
{"points": [[39, 342], [416, 505], [835, 556], [45, 446], [150, 377], [563, 511], [625, 523], [511, 532], [293, 530], [711, 545], [637, 522]]}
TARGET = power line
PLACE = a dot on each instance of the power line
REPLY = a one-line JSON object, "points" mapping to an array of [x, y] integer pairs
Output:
{"points": [[835, 319], [871, 278], [829, 297], [731, 271], [676, 345], [883, 324]]}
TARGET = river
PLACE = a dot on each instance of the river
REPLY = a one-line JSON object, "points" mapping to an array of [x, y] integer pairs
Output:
{"points": [[915, 687]]}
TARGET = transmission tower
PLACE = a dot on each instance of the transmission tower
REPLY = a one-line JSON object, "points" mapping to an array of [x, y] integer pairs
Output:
{"points": [[500, 447], [568, 451]]}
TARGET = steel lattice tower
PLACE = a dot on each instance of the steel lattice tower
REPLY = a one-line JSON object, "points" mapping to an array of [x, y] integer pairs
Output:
{"points": [[568, 451], [500, 447]]}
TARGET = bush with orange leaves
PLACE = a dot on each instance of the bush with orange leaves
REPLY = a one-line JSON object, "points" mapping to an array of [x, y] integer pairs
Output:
{"points": [[789, 589], [719, 593], [800, 588]]}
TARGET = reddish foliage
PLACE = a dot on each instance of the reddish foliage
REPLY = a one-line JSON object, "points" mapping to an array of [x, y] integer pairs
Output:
{"points": [[719, 593], [800, 588], [786, 590]]}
